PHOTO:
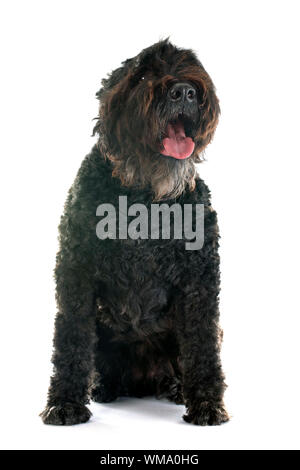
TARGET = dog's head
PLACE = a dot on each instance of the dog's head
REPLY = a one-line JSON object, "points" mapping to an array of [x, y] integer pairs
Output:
{"points": [[157, 114]]}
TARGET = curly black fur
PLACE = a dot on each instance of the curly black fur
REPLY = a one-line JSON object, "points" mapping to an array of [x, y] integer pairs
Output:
{"points": [[139, 317]]}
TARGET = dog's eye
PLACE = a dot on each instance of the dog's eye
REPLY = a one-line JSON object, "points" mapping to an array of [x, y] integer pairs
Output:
{"points": [[137, 79]]}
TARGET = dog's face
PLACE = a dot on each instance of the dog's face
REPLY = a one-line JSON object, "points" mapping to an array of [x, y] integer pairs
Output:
{"points": [[157, 114]]}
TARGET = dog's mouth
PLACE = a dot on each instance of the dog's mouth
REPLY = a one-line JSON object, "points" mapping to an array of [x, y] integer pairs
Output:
{"points": [[177, 141]]}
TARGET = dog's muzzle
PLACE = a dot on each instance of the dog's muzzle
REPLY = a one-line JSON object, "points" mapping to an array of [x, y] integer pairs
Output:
{"points": [[183, 105]]}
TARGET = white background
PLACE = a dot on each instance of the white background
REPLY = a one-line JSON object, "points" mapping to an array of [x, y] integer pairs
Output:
{"points": [[53, 55]]}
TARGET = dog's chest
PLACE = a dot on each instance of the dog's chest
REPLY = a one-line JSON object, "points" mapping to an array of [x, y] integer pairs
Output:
{"points": [[136, 286]]}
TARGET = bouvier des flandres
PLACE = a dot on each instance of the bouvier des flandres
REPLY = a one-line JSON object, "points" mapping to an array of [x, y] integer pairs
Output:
{"points": [[138, 315]]}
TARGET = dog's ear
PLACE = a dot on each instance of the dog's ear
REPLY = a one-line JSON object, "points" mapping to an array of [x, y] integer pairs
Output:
{"points": [[111, 93], [115, 77], [209, 115]]}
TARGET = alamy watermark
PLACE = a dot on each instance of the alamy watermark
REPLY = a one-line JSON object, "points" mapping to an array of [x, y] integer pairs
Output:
{"points": [[154, 223]]}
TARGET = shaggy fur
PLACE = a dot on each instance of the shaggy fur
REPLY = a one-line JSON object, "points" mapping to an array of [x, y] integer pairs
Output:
{"points": [[139, 317]]}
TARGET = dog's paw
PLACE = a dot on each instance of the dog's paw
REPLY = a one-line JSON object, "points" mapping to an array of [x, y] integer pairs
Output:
{"points": [[178, 398], [171, 389], [66, 414], [206, 414]]}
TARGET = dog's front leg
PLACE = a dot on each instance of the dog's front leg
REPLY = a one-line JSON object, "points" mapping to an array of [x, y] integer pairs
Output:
{"points": [[73, 352], [199, 341]]}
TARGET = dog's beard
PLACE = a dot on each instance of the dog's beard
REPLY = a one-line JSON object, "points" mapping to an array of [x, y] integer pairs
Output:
{"points": [[166, 177]]}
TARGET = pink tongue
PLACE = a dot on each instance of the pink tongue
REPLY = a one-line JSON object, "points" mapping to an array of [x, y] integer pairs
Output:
{"points": [[177, 145]]}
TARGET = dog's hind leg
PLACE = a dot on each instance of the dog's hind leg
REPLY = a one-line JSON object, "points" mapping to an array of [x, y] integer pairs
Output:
{"points": [[134, 370], [151, 372]]}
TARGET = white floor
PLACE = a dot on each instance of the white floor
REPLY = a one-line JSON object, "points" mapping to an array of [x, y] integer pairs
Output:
{"points": [[150, 424]]}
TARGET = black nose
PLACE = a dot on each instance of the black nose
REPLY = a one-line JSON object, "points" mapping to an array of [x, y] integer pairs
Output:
{"points": [[182, 92]]}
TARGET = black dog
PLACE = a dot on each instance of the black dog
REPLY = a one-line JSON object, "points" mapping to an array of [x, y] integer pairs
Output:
{"points": [[139, 315]]}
